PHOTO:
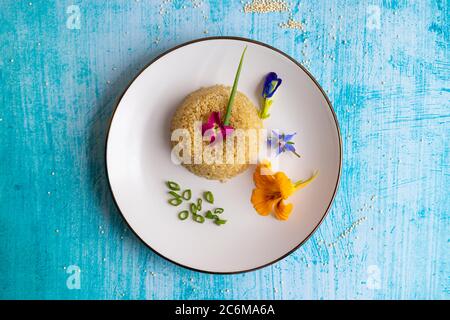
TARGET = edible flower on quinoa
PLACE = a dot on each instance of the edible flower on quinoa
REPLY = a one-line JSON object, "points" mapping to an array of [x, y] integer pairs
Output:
{"points": [[214, 122]]}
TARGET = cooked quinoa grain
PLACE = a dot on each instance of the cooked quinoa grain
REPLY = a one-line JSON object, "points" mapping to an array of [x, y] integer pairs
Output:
{"points": [[196, 108]]}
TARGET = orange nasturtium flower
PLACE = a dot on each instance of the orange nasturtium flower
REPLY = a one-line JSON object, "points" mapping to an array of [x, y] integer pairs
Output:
{"points": [[272, 189]]}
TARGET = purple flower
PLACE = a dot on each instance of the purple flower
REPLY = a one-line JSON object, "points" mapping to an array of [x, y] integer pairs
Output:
{"points": [[271, 85], [215, 127], [283, 142]]}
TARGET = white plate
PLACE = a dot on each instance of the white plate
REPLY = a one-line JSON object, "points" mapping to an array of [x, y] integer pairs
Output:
{"points": [[138, 157]]}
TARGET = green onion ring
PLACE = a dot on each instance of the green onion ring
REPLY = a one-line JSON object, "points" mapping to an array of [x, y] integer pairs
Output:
{"points": [[173, 185], [183, 215]]}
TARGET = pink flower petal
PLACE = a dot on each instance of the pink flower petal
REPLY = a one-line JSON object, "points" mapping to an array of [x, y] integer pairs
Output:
{"points": [[211, 133], [214, 122], [216, 117], [226, 130], [206, 127]]}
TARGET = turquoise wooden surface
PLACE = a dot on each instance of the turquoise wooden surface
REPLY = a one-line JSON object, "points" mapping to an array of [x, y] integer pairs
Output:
{"points": [[385, 65]]}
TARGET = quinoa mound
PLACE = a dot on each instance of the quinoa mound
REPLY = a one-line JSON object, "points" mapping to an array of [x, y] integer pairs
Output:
{"points": [[197, 107]]}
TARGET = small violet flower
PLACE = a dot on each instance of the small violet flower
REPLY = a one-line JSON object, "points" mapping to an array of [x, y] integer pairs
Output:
{"points": [[271, 84], [215, 128], [283, 142]]}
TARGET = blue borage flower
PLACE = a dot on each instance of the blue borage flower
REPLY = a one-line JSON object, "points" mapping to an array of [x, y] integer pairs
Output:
{"points": [[283, 142], [271, 84]]}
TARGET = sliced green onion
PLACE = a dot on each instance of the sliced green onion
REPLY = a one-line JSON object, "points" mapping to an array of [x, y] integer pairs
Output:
{"points": [[218, 210], [209, 197], [174, 194], [199, 204], [209, 215], [175, 201], [183, 215], [173, 185], [193, 208], [220, 222], [198, 218], [187, 194]]}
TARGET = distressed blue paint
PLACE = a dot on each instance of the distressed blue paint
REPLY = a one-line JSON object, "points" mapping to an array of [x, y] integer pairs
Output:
{"points": [[390, 90]]}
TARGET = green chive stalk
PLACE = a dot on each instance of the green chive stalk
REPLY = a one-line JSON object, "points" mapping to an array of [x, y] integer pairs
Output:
{"points": [[226, 122]]}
